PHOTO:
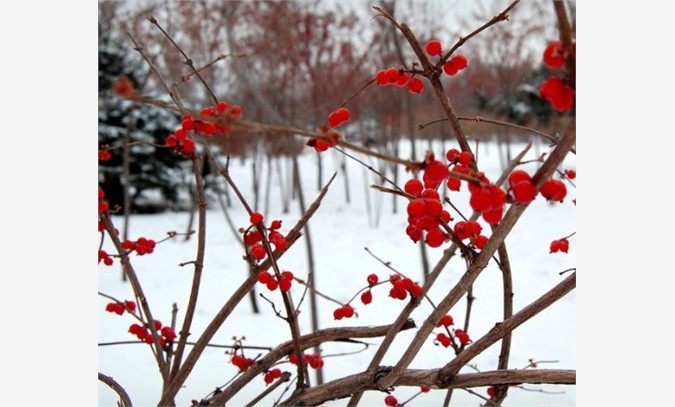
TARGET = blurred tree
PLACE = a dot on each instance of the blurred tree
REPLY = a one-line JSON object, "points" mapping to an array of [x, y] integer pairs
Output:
{"points": [[155, 175]]}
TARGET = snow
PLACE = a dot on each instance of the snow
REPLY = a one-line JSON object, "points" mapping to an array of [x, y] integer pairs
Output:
{"points": [[340, 233]]}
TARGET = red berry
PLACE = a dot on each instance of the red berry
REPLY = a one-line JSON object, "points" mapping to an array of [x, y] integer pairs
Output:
{"points": [[491, 391], [524, 192], [517, 176], [367, 297], [455, 64], [481, 200], [257, 218], [391, 401], [465, 158], [443, 339], [480, 242], [564, 245], [446, 320], [434, 47], [402, 79], [258, 251], [392, 75], [554, 56], [462, 336], [415, 85], [348, 311], [558, 93], [264, 277], [372, 279], [554, 190], [381, 77], [168, 333], [571, 174], [493, 216], [413, 187], [222, 106], [285, 285], [252, 237], [435, 237], [436, 171], [452, 155], [338, 314], [338, 117], [416, 208], [459, 61], [130, 305], [425, 389], [454, 183], [268, 378], [272, 285]]}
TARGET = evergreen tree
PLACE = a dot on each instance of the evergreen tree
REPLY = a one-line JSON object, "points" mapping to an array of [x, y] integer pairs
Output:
{"points": [[157, 176]]}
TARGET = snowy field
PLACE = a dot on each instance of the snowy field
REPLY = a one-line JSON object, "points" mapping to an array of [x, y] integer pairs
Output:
{"points": [[340, 233]]}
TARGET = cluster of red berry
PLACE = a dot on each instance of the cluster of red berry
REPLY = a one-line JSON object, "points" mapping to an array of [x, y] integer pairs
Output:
{"points": [[345, 311], [272, 375], [105, 257], [555, 89], [180, 139], [166, 333], [401, 286], [397, 77], [560, 245], [102, 204], [141, 246], [119, 307], [424, 212], [242, 362], [253, 238], [284, 282], [329, 136], [336, 118], [313, 359], [453, 65]]}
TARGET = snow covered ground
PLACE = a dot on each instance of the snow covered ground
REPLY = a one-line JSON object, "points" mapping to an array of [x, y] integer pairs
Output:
{"points": [[340, 233]]}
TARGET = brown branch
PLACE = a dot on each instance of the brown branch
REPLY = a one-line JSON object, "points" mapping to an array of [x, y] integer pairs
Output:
{"points": [[343, 387], [286, 376], [171, 93], [306, 341], [188, 60], [176, 382], [480, 262], [502, 329], [138, 292], [125, 401], [480, 119], [197, 164], [503, 16], [566, 39], [186, 77]]}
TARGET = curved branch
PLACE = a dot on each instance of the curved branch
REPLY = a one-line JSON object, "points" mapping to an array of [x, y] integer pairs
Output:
{"points": [[306, 341], [125, 401], [343, 387]]}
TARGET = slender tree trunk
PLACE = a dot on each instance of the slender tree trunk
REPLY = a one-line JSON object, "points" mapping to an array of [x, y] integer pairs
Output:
{"points": [[314, 312], [126, 184]]}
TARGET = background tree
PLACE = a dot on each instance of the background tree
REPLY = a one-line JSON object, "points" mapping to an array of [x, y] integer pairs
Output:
{"points": [[154, 175]]}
